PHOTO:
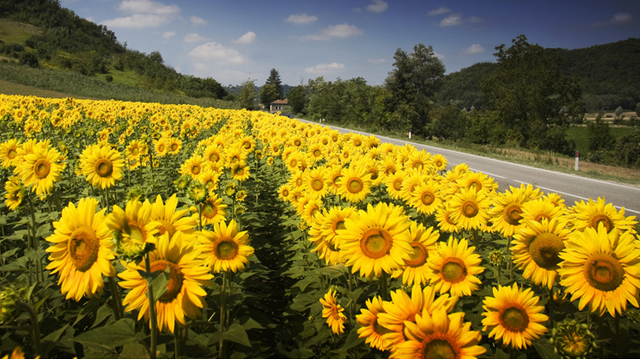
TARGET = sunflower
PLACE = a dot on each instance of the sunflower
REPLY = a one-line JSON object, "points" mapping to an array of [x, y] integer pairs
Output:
{"points": [[174, 145], [161, 146], [572, 340], [478, 181], [413, 180], [444, 218], [209, 178], [9, 153], [187, 275], [602, 269], [506, 211], [426, 197], [402, 309], [454, 267], [333, 312], [537, 248], [542, 208], [102, 165], [333, 175], [512, 314], [394, 184], [240, 171], [132, 227], [193, 166], [81, 250], [376, 240], [470, 209], [315, 182], [355, 184], [15, 193], [212, 210], [226, 248], [590, 215], [439, 162], [423, 240], [370, 329], [167, 219], [439, 335], [40, 169]]}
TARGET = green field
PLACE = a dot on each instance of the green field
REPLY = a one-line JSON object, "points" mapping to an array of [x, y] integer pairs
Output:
{"points": [[581, 136]]}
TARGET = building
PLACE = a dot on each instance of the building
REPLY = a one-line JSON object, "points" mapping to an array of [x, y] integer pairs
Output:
{"points": [[277, 105]]}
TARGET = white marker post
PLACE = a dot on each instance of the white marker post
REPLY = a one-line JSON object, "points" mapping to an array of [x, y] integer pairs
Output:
{"points": [[409, 134], [577, 160]]}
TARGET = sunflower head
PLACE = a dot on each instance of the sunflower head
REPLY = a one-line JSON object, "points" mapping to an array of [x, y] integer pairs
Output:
{"points": [[572, 340]]}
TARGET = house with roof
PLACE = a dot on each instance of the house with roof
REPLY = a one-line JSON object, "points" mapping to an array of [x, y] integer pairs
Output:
{"points": [[278, 105]]}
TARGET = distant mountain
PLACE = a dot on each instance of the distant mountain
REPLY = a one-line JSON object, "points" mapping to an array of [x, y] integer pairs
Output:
{"points": [[608, 74]]}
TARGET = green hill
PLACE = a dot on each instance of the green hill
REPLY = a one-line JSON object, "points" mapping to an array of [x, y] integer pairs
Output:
{"points": [[608, 76]]}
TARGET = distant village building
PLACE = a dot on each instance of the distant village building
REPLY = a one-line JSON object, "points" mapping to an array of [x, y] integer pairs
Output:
{"points": [[277, 105]]}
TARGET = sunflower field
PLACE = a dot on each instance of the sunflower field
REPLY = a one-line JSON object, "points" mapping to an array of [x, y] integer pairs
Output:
{"points": [[140, 230]]}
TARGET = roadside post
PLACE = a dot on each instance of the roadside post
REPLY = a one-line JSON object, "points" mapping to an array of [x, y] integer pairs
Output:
{"points": [[577, 159]]}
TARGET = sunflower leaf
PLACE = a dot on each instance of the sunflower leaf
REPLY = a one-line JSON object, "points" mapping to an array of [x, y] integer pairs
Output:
{"points": [[237, 334], [111, 336], [159, 284]]}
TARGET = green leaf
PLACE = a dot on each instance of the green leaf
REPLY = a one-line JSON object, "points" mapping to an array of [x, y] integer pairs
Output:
{"points": [[111, 336], [545, 349], [248, 323], [103, 313], [134, 351], [237, 334]]}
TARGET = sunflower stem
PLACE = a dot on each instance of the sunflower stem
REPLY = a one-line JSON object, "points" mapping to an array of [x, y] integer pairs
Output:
{"points": [[152, 310], [383, 286], [177, 340], [223, 312], [616, 321], [510, 259], [34, 241], [115, 297], [35, 325]]}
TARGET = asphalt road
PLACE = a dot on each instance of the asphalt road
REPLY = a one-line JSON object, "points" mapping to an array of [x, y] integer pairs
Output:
{"points": [[572, 188]]}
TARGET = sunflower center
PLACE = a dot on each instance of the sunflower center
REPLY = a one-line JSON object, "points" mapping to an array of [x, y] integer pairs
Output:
{"points": [[512, 214], [42, 168], [209, 184], [339, 225], [397, 184], [544, 250], [470, 209], [316, 184], [475, 184], [161, 148], [317, 153], [376, 243], [104, 167], [195, 169], [454, 270], [176, 278], [439, 349], [515, 319], [601, 218], [427, 198], [438, 163], [227, 250], [604, 272], [354, 185], [418, 256], [166, 226], [135, 151], [83, 248], [214, 157], [541, 216], [11, 154], [209, 210], [174, 147]]}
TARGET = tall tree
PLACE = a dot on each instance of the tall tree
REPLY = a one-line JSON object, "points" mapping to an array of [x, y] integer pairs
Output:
{"points": [[534, 100], [268, 94], [274, 79], [298, 99], [247, 95], [413, 83]]}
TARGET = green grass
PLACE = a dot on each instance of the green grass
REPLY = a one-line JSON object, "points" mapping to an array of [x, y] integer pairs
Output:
{"points": [[580, 135], [12, 31], [129, 77]]}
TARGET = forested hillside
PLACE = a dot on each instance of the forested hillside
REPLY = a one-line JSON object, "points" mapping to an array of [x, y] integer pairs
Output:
{"points": [[64, 40]]}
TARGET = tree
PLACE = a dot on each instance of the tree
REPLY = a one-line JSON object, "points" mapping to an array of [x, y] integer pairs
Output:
{"points": [[274, 79], [298, 99], [599, 136], [531, 95], [413, 84], [247, 95], [268, 94]]}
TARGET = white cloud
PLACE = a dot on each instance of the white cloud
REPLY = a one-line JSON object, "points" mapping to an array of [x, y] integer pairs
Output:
{"points": [[168, 34], [335, 31], [621, 18], [148, 7], [439, 11], [301, 19], [193, 37], [474, 49], [144, 13], [325, 68], [247, 38], [216, 53], [451, 20], [378, 6], [197, 20], [376, 61]]}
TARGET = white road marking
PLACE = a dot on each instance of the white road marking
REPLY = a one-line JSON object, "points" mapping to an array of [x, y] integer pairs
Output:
{"points": [[487, 173]]}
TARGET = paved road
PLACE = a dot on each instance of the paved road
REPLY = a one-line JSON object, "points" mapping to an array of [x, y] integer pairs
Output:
{"points": [[571, 187]]}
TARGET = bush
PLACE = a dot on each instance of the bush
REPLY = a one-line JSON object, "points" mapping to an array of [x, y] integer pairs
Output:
{"points": [[109, 78], [29, 59]]}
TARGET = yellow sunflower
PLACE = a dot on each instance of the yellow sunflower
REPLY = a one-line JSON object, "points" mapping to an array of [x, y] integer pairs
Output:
{"points": [[15, 193], [40, 169], [423, 240], [537, 248], [478, 181], [167, 219], [132, 227], [9, 153], [370, 329], [193, 166], [81, 250], [426, 197], [212, 210], [174, 145], [102, 165], [542, 208], [355, 184], [602, 269], [439, 335], [394, 184], [376, 240], [333, 312], [240, 171], [226, 248], [315, 182], [512, 314], [444, 218], [413, 180], [187, 275], [209, 178], [470, 209], [589, 215], [506, 211], [439, 162], [454, 267], [161, 146]]}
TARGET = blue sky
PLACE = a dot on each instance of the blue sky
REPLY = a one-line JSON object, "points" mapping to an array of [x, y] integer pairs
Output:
{"points": [[233, 41]]}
